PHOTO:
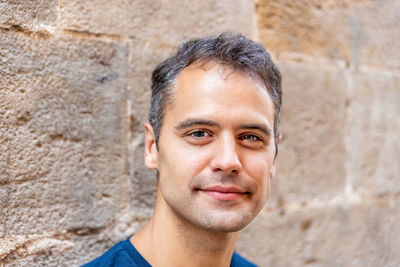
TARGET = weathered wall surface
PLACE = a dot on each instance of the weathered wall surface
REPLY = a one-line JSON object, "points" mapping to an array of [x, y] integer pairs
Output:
{"points": [[336, 197], [74, 92]]}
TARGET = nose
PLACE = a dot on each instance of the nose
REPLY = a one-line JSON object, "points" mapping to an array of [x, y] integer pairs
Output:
{"points": [[226, 158]]}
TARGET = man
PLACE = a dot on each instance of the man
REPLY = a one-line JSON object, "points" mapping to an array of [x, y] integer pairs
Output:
{"points": [[213, 137]]}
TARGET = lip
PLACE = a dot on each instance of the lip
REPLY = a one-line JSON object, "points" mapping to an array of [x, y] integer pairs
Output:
{"points": [[224, 189], [224, 192]]}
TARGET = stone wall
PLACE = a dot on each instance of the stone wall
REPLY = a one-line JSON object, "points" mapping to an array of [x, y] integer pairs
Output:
{"points": [[74, 90], [336, 196]]}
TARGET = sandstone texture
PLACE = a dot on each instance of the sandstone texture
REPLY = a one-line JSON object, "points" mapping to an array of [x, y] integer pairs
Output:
{"points": [[74, 91], [374, 130], [335, 200], [33, 13], [357, 31], [313, 134], [63, 137], [157, 24], [347, 232]]}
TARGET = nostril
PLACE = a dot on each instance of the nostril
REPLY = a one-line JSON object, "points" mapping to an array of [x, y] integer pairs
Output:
{"points": [[234, 171]]}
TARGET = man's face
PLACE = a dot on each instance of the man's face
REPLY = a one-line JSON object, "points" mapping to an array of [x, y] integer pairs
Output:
{"points": [[216, 149]]}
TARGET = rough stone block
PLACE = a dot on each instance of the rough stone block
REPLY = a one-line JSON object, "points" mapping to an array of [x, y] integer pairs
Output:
{"points": [[158, 23], [374, 131], [361, 32], [361, 232], [16, 12], [311, 159], [63, 132], [142, 62], [54, 250]]}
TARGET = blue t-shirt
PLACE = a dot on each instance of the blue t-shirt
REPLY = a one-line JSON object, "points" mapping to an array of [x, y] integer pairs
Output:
{"points": [[125, 254]]}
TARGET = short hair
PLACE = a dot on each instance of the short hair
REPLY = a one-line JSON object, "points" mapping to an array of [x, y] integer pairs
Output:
{"points": [[228, 49]]}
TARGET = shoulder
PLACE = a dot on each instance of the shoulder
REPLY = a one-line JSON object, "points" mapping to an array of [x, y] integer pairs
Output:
{"points": [[239, 261], [122, 254]]}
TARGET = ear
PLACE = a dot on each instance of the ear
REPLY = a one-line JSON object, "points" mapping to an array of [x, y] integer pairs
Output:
{"points": [[272, 171], [150, 149]]}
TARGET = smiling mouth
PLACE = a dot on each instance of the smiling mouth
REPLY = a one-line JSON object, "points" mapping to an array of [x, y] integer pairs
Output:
{"points": [[224, 193]]}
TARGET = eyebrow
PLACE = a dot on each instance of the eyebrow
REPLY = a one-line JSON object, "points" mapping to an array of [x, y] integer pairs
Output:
{"points": [[193, 121]]}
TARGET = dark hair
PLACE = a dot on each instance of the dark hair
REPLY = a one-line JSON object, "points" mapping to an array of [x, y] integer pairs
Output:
{"points": [[227, 49]]}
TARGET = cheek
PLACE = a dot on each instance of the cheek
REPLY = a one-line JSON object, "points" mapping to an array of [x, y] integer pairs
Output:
{"points": [[183, 162], [258, 168]]}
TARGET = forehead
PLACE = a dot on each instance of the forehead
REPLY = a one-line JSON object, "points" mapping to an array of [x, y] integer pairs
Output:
{"points": [[213, 90]]}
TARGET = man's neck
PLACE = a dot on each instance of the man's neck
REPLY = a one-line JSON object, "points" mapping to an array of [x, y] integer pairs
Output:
{"points": [[168, 240]]}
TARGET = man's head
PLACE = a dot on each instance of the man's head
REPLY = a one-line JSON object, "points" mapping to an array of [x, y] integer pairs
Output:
{"points": [[229, 50], [218, 100]]}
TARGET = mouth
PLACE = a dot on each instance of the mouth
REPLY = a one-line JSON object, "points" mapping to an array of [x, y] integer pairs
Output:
{"points": [[224, 192]]}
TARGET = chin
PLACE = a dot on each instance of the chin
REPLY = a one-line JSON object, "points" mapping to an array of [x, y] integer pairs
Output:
{"points": [[225, 225], [226, 229]]}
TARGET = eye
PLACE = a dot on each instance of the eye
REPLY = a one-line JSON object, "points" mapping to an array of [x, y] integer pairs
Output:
{"points": [[250, 137], [199, 133], [251, 141], [199, 137]]}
